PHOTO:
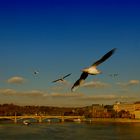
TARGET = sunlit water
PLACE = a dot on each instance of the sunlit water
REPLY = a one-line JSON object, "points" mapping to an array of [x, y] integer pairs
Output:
{"points": [[70, 131]]}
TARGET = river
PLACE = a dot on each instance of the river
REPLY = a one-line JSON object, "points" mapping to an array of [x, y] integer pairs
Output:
{"points": [[70, 131]]}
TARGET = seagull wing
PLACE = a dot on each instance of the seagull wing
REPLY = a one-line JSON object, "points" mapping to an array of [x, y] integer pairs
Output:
{"points": [[66, 76], [61, 78], [105, 57], [56, 80], [79, 81]]}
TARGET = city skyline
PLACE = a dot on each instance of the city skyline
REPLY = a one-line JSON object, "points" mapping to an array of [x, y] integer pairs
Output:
{"points": [[55, 38]]}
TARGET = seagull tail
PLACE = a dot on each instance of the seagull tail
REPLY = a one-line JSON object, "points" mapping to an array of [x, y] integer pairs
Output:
{"points": [[74, 88]]}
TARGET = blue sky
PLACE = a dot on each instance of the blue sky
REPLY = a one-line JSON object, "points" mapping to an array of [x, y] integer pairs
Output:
{"points": [[59, 37]]}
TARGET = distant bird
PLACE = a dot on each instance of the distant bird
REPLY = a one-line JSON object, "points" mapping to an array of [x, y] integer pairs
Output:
{"points": [[113, 75], [92, 70], [61, 79], [35, 72]]}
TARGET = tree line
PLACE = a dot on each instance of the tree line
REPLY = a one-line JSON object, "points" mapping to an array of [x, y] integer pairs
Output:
{"points": [[12, 109]]}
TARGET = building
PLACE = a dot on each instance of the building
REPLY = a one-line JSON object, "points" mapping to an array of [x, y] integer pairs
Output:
{"points": [[137, 114], [98, 111], [137, 105], [118, 106], [133, 108]]}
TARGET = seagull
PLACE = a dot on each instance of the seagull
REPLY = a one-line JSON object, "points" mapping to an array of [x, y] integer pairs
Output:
{"points": [[36, 72], [113, 75], [61, 79], [92, 70]]}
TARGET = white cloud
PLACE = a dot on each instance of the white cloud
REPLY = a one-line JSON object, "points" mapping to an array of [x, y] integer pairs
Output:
{"points": [[7, 91], [31, 93], [40, 97], [16, 80], [95, 84], [66, 95], [134, 82], [100, 97], [107, 98], [129, 83]]}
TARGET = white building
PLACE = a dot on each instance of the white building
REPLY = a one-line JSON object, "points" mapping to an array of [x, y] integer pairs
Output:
{"points": [[133, 108]]}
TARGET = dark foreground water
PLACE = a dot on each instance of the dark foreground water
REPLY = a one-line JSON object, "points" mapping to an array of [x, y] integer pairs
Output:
{"points": [[71, 131]]}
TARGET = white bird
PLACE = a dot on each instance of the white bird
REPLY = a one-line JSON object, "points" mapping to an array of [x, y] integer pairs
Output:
{"points": [[92, 70], [26, 122]]}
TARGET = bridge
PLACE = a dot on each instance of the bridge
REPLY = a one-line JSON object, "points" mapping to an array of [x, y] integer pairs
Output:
{"points": [[42, 117]]}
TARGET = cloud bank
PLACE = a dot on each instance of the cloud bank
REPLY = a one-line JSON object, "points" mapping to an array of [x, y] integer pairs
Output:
{"points": [[40, 97]]}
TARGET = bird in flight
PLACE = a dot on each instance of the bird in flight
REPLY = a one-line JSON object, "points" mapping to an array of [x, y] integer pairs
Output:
{"points": [[113, 75], [35, 73], [92, 70], [61, 79]]}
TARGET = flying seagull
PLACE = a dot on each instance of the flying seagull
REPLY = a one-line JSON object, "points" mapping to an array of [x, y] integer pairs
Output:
{"points": [[92, 70], [36, 72], [113, 75], [61, 79]]}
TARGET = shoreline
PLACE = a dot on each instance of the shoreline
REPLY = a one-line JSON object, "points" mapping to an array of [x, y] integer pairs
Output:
{"points": [[88, 120], [113, 120]]}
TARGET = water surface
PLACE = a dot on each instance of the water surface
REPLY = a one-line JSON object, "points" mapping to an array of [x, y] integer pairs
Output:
{"points": [[70, 131]]}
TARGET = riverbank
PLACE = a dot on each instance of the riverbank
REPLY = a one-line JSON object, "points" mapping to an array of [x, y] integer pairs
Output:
{"points": [[113, 120]]}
